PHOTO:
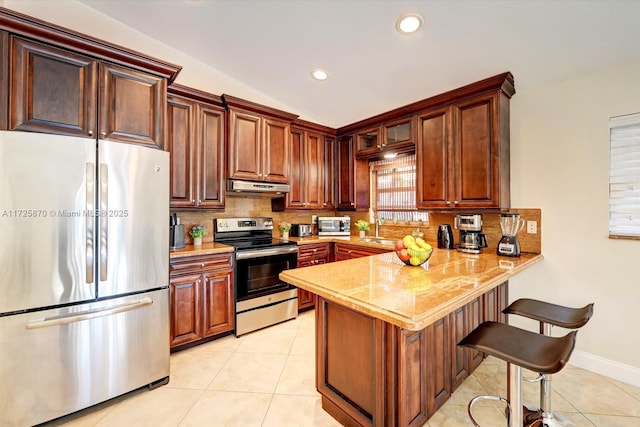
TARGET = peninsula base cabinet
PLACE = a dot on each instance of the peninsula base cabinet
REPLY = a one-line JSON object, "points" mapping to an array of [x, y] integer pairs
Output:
{"points": [[372, 373], [201, 300]]}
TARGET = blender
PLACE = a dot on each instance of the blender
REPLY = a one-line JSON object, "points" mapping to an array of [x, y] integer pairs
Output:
{"points": [[510, 224]]}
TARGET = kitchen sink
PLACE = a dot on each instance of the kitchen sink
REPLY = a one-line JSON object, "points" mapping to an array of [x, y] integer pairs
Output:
{"points": [[379, 240]]}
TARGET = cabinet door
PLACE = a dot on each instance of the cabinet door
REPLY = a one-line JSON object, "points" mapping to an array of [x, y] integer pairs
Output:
{"points": [[51, 90], [245, 144], [368, 142], [210, 122], [459, 354], [328, 174], [476, 145], [433, 159], [132, 106], [474, 319], [438, 364], [314, 154], [181, 146], [185, 293], [398, 135], [218, 303], [276, 151], [295, 198], [4, 80], [306, 299], [346, 191]]}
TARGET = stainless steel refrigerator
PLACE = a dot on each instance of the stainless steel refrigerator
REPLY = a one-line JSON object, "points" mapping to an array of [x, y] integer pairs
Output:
{"points": [[83, 273]]}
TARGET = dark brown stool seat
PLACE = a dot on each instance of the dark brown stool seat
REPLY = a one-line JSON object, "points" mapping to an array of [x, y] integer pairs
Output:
{"points": [[557, 315], [549, 315], [520, 349]]}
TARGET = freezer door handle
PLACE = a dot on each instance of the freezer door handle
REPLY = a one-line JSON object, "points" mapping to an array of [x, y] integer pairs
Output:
{"points": [[87, 314], [90, 221], [104, 220]]}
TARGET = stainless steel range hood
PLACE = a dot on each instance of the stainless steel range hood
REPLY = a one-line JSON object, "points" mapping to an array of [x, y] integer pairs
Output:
{"points": [[236, 187]]}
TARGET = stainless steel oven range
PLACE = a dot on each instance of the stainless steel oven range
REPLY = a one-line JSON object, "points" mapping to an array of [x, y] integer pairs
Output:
{"points": [[262, 299]]}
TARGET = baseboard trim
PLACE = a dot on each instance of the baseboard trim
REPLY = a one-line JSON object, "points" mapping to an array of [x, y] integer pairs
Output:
{"points": [[609, 368]]}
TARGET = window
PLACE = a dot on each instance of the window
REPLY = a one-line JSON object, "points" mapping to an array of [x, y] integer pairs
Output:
{"points": [[394, 189], [624, 176]]}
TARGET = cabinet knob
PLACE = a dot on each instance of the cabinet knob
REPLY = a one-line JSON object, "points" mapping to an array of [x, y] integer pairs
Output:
{"points": [[202, 265], [448, 203], [90, 133], [193, 202], [455, 202], [200, 201], [103, 135]]}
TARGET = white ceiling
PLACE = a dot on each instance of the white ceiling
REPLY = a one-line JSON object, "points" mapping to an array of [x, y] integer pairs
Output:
{"points": [[272, 45]]}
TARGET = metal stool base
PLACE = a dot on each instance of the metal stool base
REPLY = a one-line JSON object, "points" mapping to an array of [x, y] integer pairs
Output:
{"points": [[488, 397], [556, 420]]}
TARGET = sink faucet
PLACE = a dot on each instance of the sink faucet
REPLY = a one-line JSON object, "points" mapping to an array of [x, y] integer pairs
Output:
{"points": [[377, 220]]}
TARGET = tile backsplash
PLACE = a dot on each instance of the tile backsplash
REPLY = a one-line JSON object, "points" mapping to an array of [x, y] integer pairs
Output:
{"points": [[249, 207]]}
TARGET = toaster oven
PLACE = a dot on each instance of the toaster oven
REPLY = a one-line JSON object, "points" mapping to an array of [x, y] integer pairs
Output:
{"points": [[300, 230]]}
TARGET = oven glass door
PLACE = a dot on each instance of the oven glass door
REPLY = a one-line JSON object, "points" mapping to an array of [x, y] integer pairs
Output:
{"points": [[259, 276]]}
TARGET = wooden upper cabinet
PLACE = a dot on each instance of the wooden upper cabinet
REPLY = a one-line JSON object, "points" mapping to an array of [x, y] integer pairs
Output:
{"points": [[4, 80], [353, 177], [462, 155], [195, 140], [434, 160], [328, 173], [52, 90], [56, 91], [63, 82], [259, 141], [307, 170], [132, 106], [275, 151], [395, 136], [245, 146]]}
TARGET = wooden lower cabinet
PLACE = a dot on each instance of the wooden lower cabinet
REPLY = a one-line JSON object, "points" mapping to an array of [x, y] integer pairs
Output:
{"points": [[201, 301], [372, 373], [308, 255], [345, 251]]}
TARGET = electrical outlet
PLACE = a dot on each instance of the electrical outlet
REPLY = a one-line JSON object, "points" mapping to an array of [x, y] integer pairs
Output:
{"points": [[314, 219], [532, 227]]}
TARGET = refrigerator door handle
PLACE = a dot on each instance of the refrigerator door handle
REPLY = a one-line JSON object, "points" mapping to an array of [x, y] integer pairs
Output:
{"points": [[104, 220], [88, 314], [90, 221]]}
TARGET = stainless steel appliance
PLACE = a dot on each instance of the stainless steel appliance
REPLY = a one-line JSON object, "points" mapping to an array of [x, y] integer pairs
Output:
{"points": [[334, 226], [262, 299], [472, 240], [83, 273], [445, 237], [509, 244], [300, 230], [236, 187]]}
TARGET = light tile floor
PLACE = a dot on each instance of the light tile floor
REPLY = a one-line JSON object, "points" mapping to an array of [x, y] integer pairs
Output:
{"points": [[266, 379]]}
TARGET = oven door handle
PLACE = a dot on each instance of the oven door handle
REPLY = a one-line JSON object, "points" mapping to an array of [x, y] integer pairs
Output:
{"points": [[258, 253]]}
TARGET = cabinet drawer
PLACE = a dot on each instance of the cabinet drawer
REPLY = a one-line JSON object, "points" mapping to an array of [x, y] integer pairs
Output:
{"points": [[313, 251], [344, 251], [201, 263]]}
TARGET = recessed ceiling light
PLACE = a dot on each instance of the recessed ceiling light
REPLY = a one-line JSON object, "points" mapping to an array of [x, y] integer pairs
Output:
{"points": [[319, 74], [409, 23]]}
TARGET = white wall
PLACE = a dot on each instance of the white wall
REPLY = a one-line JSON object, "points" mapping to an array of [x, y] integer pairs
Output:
{"points": [[559, 146]]}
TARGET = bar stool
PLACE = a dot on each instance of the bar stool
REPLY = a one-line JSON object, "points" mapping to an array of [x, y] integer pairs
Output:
{"points": [[550, 315], [520, 349]]}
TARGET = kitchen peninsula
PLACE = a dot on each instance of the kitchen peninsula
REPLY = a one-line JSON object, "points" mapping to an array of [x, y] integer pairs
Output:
{"points": [[386, 333]]}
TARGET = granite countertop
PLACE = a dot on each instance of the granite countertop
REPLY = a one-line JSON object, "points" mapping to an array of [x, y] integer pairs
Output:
{"points": [[409, 297], [210, 248]]}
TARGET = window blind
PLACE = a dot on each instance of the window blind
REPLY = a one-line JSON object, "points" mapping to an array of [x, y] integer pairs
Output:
{"points": [[624, 176], [394, 189]]}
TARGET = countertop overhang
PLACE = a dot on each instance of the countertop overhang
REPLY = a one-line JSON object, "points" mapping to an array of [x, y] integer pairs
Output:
{"points": [[409, 297]]}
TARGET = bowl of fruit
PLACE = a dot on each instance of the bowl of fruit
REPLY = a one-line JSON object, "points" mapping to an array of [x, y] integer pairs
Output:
{"points": [[413, 250]]}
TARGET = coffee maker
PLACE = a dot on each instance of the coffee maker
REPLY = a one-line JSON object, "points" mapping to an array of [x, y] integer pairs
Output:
{"points": [[509, 244], [472, 240]]}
